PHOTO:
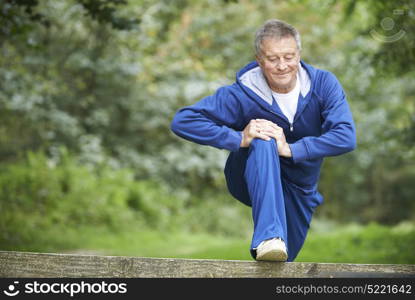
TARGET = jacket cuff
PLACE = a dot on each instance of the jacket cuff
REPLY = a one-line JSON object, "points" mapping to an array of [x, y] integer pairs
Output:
{"points": [[234, 140], [299, 151]]}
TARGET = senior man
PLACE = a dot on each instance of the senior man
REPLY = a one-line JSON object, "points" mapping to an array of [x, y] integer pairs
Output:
{"points": [[279, 119]]}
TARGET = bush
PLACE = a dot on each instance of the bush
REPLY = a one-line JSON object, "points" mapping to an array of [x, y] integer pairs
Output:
{"points": [[41, 197], [37, 194]]}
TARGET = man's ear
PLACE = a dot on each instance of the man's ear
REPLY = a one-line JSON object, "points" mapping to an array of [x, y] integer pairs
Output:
{"points": [[299, 56], [258, 59]]}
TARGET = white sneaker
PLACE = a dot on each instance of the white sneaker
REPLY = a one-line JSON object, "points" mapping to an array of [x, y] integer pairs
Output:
{"points": [[272, 250]]}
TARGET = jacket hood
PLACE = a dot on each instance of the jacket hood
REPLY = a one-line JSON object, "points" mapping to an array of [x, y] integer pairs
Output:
{"points": [[251, 76]]}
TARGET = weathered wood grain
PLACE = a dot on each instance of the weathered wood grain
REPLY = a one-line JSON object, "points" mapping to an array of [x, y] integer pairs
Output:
{"points": [[47, 265]]}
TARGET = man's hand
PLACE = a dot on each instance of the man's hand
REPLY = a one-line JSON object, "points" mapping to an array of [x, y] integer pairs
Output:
{"points": [[264, 129], [251, 131]]}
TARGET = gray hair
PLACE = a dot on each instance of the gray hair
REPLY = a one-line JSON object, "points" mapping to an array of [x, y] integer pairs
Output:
{"points": [[275, 29]]}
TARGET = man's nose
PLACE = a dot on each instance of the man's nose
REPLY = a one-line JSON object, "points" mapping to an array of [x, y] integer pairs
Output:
{"points": [[281, 65]]}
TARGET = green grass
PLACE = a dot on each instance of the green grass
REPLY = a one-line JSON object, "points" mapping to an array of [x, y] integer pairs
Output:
{"points": [[349, 244], [325, 243], [353, 243], [148, 243]]}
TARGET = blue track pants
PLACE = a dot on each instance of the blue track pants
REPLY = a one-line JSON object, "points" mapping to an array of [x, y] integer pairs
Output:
{"points": [[279, 207]]}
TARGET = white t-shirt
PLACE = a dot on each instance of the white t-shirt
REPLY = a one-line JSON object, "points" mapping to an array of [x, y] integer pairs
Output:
{"points": [[288, 102]]}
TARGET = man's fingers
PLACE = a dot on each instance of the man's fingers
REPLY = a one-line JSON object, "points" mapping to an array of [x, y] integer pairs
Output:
{"points": [[254, 130], [265, 129], [273, 135], [271, 129], [278, 135], [261, 136], [266, 135], [263, 121], [271, 132]]}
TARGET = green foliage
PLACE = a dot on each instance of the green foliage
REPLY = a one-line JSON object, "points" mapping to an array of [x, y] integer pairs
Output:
{"points": [[392, 25], [39, 194], [18, 16]]}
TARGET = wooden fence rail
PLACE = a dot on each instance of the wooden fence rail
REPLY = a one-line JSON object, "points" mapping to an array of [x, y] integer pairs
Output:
{"points": [[48, 265]]}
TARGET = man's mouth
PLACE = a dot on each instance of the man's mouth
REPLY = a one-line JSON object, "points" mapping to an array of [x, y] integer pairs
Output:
{"points": [[281, 75]]}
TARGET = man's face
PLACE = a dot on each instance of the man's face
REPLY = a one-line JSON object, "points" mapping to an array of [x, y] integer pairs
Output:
{"points": [[279, 61]]}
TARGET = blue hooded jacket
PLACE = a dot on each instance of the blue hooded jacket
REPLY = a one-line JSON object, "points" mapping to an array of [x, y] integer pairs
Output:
{"points": [[322, 126]]}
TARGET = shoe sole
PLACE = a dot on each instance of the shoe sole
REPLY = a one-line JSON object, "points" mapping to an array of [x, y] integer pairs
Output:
{"points": [[272, 255]]}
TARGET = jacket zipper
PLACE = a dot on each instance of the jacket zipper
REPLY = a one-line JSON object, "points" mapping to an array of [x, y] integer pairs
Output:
{"points": [[291, 124]]}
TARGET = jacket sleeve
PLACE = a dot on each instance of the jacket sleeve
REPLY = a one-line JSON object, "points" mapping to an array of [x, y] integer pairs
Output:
{"points": [[211, 121], [338, 130]]}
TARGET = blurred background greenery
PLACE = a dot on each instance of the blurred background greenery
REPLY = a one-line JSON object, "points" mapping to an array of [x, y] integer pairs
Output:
{"points": [[87, 92]]}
